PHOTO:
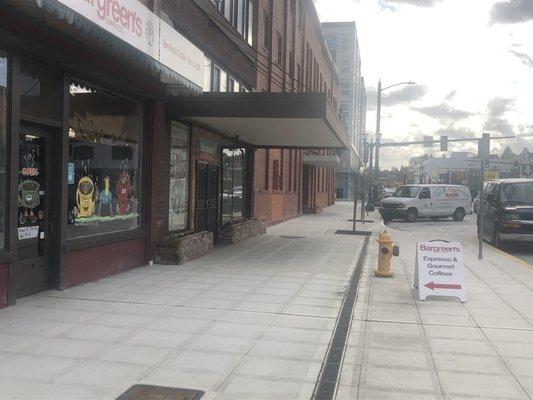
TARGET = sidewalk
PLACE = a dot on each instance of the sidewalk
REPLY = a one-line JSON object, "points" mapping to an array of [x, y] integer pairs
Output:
{"points": [[403, 348], [251, 321]]}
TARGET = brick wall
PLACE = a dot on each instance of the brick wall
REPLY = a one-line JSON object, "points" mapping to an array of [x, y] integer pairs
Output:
{"points": [[98, 262], [203, 25], [301, 48], [176, 249]]}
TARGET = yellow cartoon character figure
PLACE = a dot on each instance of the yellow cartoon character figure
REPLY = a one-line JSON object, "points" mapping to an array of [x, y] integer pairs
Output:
{"points": [[85, 197]]}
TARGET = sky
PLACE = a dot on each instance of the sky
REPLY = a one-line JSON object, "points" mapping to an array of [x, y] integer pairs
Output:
{"points": [[471, 60]]}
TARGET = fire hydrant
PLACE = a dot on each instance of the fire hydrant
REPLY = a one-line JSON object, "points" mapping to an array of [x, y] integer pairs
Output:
{"points": [[387, 249]]}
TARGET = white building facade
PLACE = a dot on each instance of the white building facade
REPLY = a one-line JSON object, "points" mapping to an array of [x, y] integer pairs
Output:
{"points": [[341, 38]]}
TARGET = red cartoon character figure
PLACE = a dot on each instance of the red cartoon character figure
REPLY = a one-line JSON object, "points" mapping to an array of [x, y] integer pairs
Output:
{"points": [[124, 191]]}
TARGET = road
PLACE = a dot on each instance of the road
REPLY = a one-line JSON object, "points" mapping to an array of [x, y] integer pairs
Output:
{"points": [[462, 231]]}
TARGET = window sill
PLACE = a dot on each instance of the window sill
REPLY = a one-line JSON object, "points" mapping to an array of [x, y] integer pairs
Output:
{"points": [[72, 245]]}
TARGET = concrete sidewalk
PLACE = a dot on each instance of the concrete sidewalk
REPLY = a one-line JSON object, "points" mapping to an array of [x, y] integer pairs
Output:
{"points": [[251, 321], [403, 348]]}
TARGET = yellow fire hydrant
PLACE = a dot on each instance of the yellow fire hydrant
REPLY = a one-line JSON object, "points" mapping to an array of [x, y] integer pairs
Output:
{"points": [[387, 249]]}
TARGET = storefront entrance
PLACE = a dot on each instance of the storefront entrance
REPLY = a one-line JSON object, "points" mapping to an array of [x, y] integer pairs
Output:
{"points": [[37, 216], [207, 194]]}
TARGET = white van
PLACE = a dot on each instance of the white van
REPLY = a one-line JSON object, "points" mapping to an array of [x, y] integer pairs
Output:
{"points": [[434, 201]]}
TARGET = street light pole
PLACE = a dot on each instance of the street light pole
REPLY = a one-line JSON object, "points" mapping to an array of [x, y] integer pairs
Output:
{"points": [[378, 130], [378, 122]]}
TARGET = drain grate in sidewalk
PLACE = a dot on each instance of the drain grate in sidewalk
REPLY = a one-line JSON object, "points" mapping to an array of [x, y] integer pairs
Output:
{"points": [[356, 233], [149, 392], [327, 382], [292, 237]]}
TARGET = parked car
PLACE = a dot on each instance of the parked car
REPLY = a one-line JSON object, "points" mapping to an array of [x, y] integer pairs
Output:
{"points": [[475, 204], [388, 192], [435, 201], [507, 211]]}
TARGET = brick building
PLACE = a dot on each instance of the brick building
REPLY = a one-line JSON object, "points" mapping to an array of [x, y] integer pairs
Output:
{"points": [[145, 130], [292, 57]]}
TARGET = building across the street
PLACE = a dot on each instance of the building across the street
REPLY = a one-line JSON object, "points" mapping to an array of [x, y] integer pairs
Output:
{"points": [[342, 41], [149, 130], [462, 168]]}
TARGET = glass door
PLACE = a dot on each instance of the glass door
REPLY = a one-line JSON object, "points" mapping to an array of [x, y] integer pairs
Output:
{"points": [[33, 219]]}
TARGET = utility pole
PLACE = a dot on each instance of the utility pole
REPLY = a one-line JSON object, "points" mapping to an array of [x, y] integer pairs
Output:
{"points": [[484, 157], [354, 189]]}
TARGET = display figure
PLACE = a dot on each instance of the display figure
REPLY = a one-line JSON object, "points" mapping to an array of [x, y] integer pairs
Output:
{"points": [[105, 197], [85, 197], [28, 200], [124, 191]]}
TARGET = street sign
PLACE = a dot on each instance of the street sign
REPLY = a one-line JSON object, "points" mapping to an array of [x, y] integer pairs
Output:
{"points": [[491, 175], [428, 141], [439, 269]]}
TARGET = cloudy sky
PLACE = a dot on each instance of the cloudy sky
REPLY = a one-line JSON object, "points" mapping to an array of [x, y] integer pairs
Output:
{"points": [[472, 61]]}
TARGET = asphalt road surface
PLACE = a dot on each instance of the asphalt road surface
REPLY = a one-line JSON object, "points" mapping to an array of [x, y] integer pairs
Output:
{"points": [[464, 232]]}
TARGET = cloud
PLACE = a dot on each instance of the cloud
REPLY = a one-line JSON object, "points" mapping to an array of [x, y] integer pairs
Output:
{"points": [[405, 95], [455, 133], [526, 59], [511, 11], [451, 95], [443, 112], [498, 106], [418, 3], [496, 110]]}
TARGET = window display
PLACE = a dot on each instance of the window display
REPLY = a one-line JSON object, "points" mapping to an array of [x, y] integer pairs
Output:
{"points": [[3, 120], [232, 184], [178, 207], [104, 187]]}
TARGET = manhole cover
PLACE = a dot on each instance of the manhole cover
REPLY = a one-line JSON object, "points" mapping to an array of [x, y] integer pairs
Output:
{"points": [[292, 237], [148, 392]]}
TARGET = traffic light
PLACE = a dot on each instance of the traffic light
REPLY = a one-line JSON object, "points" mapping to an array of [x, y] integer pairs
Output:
{"points": [[444, 143], [516, 169], [483, 147]]}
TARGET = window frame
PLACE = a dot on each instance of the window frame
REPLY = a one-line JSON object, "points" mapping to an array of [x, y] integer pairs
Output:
{"points": [[83, 242], [6, 140], [244, 178]]}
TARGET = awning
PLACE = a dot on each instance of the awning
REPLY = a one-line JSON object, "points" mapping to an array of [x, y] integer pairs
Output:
{"points": [[278, 120], [320, 160], [89, 29]]}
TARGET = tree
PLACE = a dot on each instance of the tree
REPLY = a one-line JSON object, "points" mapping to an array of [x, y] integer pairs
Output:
{"points": [[508, 154]]}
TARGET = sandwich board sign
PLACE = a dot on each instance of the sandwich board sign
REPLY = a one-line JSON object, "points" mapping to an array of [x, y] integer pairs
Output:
{"points": [[439, 269]]}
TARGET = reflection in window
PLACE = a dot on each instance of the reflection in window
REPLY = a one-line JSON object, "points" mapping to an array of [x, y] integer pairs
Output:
{"points": [[3, 120], [104, 185], [179, 177], [40, 92], [232, 184]]}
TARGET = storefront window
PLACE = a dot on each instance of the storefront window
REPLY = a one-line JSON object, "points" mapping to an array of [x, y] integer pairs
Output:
{"points": [[40, 92], [3, 120], [104, 179], [232, 184], [178, 201]]}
